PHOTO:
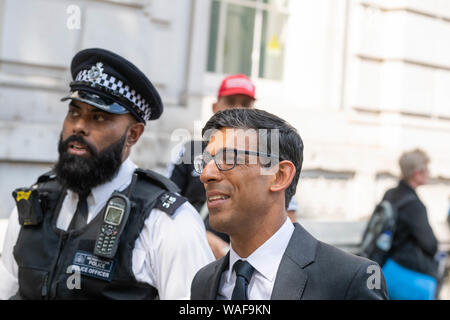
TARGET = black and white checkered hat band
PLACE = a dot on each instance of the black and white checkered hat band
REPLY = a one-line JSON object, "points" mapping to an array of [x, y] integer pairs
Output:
{"points": [[107, 81]]}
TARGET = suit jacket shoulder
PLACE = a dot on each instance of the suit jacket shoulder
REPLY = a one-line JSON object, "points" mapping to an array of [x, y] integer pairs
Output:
{"points": [[350, 276], [206, 282], [313, 270]]}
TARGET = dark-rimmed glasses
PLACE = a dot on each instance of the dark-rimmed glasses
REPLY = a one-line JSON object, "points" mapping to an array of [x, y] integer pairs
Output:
{"points": [[226, 159]]}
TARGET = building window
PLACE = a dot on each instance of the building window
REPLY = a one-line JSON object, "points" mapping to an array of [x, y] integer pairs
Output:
{"points": [[248, 36]]}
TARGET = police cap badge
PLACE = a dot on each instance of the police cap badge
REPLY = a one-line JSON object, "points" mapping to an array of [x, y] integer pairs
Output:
{"points": [[108, 81]]}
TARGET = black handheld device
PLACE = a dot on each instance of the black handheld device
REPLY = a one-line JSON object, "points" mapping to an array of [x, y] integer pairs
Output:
{"points": [[114, 220]]}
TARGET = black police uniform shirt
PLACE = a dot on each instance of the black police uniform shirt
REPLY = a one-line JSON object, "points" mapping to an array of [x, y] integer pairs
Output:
{"points": [[167, 253]]}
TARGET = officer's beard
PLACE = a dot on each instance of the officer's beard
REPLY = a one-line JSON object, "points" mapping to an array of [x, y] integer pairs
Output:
{"points": [[81, 174]]}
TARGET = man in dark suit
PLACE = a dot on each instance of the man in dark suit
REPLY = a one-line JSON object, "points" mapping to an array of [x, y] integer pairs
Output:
{"points": [[250, 169]]}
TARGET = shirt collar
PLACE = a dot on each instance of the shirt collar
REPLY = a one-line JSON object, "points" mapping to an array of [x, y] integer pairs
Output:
{"points": [[119, 182], [267, 257]]}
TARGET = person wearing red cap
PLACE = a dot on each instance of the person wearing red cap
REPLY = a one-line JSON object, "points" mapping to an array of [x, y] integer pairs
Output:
{"points": [[235, 91]]}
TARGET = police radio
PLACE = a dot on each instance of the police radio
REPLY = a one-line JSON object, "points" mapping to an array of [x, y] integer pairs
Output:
{"points": [[115, 218]]}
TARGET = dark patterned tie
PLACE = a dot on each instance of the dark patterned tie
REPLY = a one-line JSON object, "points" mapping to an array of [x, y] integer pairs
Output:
{"points": [[79, 219], [244, 271]]}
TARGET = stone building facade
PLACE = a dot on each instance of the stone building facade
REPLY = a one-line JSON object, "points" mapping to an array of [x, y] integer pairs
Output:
{"points": [[362, 81]]}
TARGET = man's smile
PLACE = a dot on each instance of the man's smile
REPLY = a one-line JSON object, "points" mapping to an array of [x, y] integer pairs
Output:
{"points": [[216, 198]]}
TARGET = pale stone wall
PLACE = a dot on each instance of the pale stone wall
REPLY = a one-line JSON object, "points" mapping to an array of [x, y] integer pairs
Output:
{"points": [[36, 48], [363, 82]]}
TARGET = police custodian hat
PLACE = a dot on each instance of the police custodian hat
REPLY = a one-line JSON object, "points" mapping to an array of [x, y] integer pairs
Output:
{"points": [[110, 82]]}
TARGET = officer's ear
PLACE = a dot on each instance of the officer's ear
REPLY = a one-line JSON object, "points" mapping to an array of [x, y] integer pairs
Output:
{"points": [[134, 132]]}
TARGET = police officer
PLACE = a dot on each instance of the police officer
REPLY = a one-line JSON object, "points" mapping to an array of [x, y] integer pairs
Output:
{"points": [[69, 224]]}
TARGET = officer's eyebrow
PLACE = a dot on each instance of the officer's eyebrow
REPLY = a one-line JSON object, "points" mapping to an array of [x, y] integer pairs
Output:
{"points": [[93, 109], [72, 104]]}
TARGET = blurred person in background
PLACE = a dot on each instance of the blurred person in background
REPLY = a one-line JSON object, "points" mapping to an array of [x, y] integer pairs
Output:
{"points": [[235, 91], [448, 213], [411, 270]]}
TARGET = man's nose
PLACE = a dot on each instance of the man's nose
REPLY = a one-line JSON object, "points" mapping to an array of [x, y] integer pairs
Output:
{"points": [[80, 127], [210, 172]]}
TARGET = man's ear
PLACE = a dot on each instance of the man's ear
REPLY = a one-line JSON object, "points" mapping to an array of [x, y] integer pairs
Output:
{"points": [[134, 133], [283, 177], [214, 107]]}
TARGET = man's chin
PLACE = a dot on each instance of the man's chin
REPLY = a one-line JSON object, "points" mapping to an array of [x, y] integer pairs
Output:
{"points": [[75, 173], [219, 221]]}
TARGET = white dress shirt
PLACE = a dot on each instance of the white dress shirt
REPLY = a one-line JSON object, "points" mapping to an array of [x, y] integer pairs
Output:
{"points": [[167, 254], [266, 260]]}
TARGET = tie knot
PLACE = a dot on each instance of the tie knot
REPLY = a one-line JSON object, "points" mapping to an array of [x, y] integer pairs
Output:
{"points": [[80, 216], [243, 269], [83, 196]]}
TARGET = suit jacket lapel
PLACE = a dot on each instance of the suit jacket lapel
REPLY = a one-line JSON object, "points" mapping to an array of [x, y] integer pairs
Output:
{"points": [[291, 279], [220, 267]]}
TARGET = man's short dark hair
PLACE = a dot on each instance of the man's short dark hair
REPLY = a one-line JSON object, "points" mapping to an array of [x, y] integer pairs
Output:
{"points": [[290, 142]]}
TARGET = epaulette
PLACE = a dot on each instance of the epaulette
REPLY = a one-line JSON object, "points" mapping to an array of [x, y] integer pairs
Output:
{"points": [[169, 202], [159, 180], [50, 175]]}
